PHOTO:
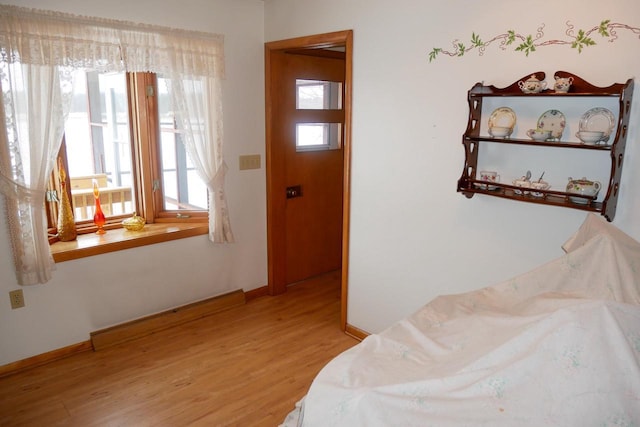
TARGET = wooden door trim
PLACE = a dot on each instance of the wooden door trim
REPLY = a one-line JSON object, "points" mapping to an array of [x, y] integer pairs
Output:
{"points": [[344, 39]]}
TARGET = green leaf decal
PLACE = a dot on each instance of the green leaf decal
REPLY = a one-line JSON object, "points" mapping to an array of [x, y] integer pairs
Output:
{"points": [[529, 44], [475, 40], [527, 47], [603, 29], [582, 41], [434, 53]]}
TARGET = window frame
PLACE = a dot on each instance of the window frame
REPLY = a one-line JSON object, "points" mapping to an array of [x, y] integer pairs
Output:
{"points": [[144, 128], [147, 123]]}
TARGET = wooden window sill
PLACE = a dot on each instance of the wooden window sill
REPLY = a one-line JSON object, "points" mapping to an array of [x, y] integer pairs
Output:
{"points": [[118, 239]]}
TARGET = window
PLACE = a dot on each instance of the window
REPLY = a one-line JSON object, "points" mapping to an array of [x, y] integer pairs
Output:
{"points": [[121, 134], [182, 187], [39, 52], [98, 145], [318, 136], [320, 96]]}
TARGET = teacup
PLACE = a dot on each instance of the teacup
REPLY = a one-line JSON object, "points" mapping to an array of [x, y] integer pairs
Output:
{"points": [[489, 176], [590, 137], [500, 132], [539, 134]]}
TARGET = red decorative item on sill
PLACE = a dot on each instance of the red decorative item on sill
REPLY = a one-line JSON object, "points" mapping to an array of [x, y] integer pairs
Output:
{"points": [[98, 216]]}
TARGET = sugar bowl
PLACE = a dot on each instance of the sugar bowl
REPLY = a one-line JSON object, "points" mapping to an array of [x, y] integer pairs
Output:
{"points": [[583, 187], [532, 85]]}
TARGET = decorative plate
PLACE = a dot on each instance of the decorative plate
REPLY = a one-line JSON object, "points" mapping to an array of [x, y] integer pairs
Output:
{"points": [[554, 121], [502, 117], [599, 120]]}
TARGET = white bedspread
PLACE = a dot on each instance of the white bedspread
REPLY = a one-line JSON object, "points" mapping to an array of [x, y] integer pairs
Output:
{"points": [[557, 346]]}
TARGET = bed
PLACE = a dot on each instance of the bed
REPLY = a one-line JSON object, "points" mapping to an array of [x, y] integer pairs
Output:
{"points": [[556, 346]]}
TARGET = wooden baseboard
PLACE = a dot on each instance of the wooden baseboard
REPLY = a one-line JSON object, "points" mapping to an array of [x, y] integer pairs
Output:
{"points": [[356, 333], [131, 330], [147, 325], [256, 293], [44, 358]]}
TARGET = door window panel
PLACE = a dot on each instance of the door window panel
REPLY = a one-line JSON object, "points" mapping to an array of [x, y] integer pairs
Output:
{"points": [[318, 136], [318, 95]]}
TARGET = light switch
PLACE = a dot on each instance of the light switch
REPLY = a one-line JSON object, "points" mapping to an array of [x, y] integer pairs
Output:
{"points": [[250, 161]]}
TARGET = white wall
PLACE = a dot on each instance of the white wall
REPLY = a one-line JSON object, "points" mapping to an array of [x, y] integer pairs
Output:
{"points": [[412, 236], [92, 293], [409, 115]]}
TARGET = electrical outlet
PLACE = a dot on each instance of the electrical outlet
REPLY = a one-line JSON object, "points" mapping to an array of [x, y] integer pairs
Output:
{"points": [[17, 298]]}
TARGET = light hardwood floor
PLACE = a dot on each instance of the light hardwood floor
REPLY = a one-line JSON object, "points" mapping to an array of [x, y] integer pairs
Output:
{"points": [[246, 366]]}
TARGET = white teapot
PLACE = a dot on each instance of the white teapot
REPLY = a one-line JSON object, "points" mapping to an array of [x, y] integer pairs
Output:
{"points": [[532, 85]]}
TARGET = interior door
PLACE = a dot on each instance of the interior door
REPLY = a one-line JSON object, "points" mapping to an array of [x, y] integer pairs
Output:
{"points": [[305, 159]]}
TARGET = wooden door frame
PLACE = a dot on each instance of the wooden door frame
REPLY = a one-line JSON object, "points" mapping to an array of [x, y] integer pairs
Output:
{"points": [[344, 39]]}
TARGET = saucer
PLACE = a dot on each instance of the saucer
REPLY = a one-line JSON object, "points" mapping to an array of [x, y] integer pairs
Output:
{"points": [[486, 186], [502, 117], [553, 121], [598, 120], [579, 200]]}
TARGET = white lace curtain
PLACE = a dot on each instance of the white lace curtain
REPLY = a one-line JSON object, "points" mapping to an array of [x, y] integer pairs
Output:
{"points": [[38, 52]]}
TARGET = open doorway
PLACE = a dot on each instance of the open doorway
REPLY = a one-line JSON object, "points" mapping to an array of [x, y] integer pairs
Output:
{"points": [[307, 158]]}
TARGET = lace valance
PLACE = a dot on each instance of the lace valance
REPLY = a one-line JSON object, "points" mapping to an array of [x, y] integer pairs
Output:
{"points": [[40, 37], [38, 51]]}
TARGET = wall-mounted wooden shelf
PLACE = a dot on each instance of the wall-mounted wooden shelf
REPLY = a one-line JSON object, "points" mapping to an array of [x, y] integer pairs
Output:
{"points": [[583, 92]]}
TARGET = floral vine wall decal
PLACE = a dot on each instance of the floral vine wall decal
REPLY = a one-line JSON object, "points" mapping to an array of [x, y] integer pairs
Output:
{"points": [[529, 43]]}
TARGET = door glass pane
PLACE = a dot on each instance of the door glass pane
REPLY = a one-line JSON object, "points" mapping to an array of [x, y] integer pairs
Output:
{"points": [[318, 136], [318, 95], [99, 145]]}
